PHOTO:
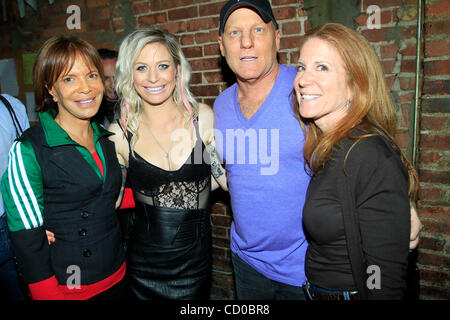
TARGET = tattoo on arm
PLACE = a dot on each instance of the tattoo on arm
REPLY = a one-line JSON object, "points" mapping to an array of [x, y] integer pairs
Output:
{"points": [[123, 169], [216, 168]]}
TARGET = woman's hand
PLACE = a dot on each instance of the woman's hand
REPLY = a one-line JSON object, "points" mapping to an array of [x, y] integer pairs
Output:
{"points": [[50, 237], [416, 226]]}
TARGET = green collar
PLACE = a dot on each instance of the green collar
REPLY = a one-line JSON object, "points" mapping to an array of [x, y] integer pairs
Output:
{"points": [[56, 136]]}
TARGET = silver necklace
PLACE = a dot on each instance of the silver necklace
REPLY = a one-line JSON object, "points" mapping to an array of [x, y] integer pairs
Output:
{"points": [[166, 152]]}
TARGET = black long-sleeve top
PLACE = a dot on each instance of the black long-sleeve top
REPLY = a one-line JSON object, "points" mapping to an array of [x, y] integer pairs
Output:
{"points": [[379, 183]]}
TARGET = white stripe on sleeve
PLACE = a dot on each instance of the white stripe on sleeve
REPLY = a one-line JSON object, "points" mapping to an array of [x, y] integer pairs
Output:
{"points": [[24, 175], [14, 182]]}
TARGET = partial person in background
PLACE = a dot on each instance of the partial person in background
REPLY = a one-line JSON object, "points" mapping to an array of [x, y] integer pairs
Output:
{"points": [[13, 121], [357, 208], [63, 176], [165, 142], [109, 112], [109, 108]]}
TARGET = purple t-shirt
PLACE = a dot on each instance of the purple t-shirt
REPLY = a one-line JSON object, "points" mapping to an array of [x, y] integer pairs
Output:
{"points": [[263, 156]]}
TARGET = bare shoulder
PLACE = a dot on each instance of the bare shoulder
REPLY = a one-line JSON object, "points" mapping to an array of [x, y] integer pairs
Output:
{"points": [[114, 127], [205, 111], [205, 115], [118, 135], [206, 120]]}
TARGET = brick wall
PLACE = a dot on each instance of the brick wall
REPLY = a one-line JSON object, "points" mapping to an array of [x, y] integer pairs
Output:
{"points": [[434, 160], [105, 22], [396, 44]]}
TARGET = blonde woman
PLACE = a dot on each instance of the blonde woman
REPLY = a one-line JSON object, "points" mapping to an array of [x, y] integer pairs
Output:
{"points": [[166, 143], [357, 210]]}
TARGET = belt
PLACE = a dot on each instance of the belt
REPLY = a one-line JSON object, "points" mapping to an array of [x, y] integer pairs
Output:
{"points": [[316, 293]]}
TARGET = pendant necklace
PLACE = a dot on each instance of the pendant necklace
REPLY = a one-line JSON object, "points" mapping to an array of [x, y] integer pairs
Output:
{"points": [[166, 152]]}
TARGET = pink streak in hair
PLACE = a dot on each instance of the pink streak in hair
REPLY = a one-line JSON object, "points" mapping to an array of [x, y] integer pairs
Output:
{"points": [[184, 98]]}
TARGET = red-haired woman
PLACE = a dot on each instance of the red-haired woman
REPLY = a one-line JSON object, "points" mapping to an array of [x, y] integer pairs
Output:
{"points": [[357, 210]]}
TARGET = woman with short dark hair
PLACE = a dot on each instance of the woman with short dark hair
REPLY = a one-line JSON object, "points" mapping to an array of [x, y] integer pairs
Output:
{"points": [[63, 176]]}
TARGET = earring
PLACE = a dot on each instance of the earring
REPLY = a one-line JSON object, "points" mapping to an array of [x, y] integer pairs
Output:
{"points": [[348, 105]]}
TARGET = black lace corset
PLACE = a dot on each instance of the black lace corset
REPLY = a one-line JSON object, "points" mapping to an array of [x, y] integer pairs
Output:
{"points": [[186, 188]]}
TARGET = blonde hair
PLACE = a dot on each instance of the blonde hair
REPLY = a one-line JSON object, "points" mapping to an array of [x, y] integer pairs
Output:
{"points": [[371, 109], [129, 51]]}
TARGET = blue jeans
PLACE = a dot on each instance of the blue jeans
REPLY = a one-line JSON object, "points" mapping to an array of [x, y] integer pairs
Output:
{"points": [[9, 282], [309, 288], [251, 285]]}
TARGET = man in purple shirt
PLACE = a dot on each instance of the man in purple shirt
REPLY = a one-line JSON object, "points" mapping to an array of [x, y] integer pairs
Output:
{"points": [[261, 143]]}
